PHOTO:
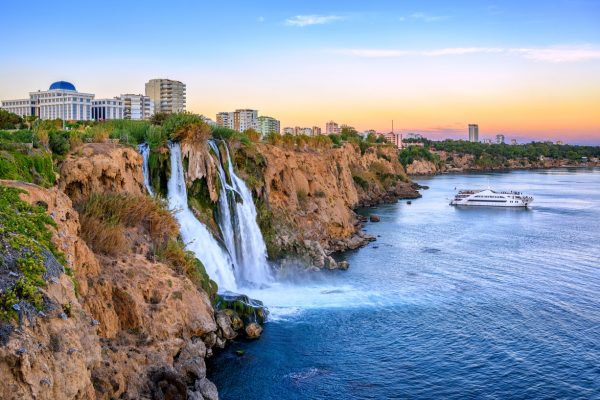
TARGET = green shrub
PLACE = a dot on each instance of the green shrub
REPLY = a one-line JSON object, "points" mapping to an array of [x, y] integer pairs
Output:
{"points": [[24, 231]]}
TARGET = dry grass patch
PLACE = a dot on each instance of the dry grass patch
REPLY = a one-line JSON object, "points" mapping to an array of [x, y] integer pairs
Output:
{"points": [[105, 217]]}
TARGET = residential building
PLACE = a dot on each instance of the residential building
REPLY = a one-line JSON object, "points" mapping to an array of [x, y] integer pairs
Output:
{"points": [[559, 142], [168, 95], [267, 125], [288, 130], [225, 119], [303, 131], [513, 141], [137, 106], [500, 139], [61, 100], [394, 138], [240, 119], [347, 127], [316, 130], [245, 119], [103, 109], [22, 107], [487, 141], [473, 133], [332, 128]]}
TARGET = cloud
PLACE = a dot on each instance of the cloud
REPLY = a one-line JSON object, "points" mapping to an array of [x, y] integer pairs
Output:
{"points": [[306, 20], [421, 16], [562, 54]]}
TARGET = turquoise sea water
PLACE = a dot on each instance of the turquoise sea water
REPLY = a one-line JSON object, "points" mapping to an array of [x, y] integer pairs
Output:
{"points": [[447, 303]]}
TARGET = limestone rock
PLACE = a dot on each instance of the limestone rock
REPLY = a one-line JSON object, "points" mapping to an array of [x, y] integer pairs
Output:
{"points": [[253, 330]]}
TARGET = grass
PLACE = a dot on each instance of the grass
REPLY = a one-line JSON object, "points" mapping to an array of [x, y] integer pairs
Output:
{"points": [[18, 162], [105, 217]]}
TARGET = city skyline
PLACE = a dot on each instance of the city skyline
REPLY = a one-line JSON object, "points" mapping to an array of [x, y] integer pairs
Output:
{"points": [[528, 71]]}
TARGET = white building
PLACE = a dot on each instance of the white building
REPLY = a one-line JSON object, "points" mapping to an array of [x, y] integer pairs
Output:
{"points": [[288, 130], [104, 109], [394, 138], [137, 106], [500, 139], [473, 133], [168, 95], [303, 131], [61, 100], [267, 125], [22, 107], [245, 119], [225, 119], [316, 130], [332, 128]]}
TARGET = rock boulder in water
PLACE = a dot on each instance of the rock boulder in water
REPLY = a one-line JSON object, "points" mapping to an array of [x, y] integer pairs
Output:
{"points": [[374, 218], [253, 330]]}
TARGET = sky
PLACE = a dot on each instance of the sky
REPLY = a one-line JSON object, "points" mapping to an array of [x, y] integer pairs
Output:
{"points": [[527, 69]]}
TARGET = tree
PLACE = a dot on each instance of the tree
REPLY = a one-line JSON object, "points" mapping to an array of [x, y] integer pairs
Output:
{"points": [[9, 120]]}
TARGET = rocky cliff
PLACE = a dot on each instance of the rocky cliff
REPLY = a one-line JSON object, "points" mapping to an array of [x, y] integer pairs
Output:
{"points": [[127, 324], [307, 196]]}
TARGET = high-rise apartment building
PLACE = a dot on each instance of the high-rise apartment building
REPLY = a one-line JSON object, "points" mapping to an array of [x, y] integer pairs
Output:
{"points": [[288, 130], [240, 120], [316, 130], [500, 139], [168, 95], [267, 125], [225, 119], [245, 119], [105, 109], [473, 133], [137, 106], [61, 100]]}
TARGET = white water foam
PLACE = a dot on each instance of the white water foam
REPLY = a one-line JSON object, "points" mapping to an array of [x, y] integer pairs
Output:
{"points": [[196, 236]]}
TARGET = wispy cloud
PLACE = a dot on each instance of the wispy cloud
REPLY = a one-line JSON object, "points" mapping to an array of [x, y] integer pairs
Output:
{"points": [[306, 20], [561, 54], [424, 17]]}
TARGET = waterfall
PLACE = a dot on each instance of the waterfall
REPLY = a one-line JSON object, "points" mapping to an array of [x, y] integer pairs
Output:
{"points": [[198, 239], [144, 150], [237, 221]]}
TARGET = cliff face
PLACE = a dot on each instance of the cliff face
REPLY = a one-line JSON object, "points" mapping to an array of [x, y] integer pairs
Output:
{"points": [[126, 326], [310, 195], [100, 167]]}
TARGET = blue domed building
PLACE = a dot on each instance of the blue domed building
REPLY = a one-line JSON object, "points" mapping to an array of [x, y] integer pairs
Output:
{"points": [[62, 85]]}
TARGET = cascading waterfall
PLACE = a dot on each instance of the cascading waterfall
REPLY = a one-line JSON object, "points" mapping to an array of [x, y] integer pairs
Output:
{"points": [[198, 239], [237, 221], [144, 150]]}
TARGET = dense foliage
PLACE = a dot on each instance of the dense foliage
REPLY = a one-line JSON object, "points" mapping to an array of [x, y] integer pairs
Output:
{"points": [[412, 153], [9, 120], [531, 151]]}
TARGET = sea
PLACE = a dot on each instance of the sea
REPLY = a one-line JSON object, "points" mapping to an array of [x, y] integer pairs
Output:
{"points": [[448, 303]]}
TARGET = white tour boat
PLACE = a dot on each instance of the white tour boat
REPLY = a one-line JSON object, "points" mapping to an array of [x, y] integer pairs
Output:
{"points": [[490, 198]]}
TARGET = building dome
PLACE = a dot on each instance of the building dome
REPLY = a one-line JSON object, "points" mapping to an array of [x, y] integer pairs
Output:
{"points": [[62, 85]]}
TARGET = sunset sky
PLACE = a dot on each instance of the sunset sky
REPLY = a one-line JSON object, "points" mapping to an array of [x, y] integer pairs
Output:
{"points": [[528, 69]]}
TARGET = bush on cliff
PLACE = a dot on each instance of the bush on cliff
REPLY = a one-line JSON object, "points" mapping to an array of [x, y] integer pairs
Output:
{"points": [[25, 247], [21, 163]]}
